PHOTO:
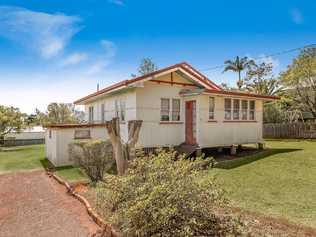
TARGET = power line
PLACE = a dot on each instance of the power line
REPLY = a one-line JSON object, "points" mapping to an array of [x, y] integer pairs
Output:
{"points": [[265, 56]]}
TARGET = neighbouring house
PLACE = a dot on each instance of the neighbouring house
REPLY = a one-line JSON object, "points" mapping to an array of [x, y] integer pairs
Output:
{"points": [[177, 104], [27, 136]]}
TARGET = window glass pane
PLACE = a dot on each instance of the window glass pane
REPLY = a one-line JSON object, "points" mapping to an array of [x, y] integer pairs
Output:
{"points": [[122, 110], [116, 109], [164, 110], [228, 107], [91, 114], [175, 109], [244, 111], [252, 109], [211, 108], [236, 109], [102, 113]]}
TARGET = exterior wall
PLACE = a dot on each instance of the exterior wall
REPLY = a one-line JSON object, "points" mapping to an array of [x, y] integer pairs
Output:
{"points": [[57, 145], [154, 133], [221, 133], [144, 101]]}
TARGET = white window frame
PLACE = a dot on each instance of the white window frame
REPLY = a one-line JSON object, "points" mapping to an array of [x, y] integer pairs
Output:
{"points": [[91, 114], [244, 111], [103, 112], [228, 109], [122, 110], [211, 110], [252, 110], [236, 110], [171, 111]]}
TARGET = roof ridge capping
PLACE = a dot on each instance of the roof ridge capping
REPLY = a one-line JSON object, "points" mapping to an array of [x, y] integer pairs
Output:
{"points": [[183, 65]]}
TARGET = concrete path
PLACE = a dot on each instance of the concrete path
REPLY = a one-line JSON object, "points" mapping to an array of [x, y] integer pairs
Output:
{"points": [[32, 204]]}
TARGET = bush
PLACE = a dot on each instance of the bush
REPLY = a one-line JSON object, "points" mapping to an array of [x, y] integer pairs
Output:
{"points": [[95, 157], [162, 196]]}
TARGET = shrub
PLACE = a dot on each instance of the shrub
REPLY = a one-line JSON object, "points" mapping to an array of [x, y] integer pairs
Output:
{"points": [[95, 157], [162, 196]]}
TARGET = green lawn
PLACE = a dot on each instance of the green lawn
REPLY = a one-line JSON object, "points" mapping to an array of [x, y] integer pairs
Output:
{"points": [[22, 158], [280, 181]]}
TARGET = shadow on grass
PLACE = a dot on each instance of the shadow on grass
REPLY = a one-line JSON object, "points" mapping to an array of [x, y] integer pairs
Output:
{"points": [[231, 164], [16, 148], [46, 164]]}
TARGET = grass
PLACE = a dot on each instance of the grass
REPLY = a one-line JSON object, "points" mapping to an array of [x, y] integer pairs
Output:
{"points": [[280, 182], [71, 174], [22, 158]]}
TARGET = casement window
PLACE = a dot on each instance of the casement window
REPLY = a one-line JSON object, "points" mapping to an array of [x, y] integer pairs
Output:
{"points": [[122, 110], [102, 113], [236, 109], [252, 110], [91, 114], [170, 109], [228, 109], [211, 108], [116, 109], [175, 109], [244, 109], [165, 109]]}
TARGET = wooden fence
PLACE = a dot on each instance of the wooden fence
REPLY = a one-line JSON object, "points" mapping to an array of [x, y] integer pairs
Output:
{"points": [[289, 130]]}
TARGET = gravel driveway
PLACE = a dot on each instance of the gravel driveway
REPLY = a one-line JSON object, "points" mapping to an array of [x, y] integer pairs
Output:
{"points": [[32, 204]]}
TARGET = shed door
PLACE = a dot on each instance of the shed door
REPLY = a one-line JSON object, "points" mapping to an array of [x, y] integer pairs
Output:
{"points": [[190, 122]]}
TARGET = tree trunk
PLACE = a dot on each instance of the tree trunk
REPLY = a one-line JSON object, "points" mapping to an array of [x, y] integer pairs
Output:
{"points": [[121, 150], [239, 80]]}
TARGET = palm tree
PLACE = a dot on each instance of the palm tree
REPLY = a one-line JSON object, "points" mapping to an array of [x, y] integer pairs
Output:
{"points": [[238, 65]]}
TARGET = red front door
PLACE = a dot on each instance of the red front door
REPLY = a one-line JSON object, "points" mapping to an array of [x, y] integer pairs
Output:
{"points": [[190, 122]]}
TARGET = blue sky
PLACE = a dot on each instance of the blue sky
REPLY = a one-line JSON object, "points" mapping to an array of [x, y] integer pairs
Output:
{"points": [[59, 50]]}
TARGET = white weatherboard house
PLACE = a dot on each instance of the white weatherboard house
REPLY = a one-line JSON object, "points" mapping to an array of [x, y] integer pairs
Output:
{"points": [[177, 104]]}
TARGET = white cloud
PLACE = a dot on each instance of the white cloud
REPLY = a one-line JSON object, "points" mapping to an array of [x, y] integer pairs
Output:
{"points": [[104, 59], [109, 47], [47, 34], [297, 16], [117, 2], [74, 59]]}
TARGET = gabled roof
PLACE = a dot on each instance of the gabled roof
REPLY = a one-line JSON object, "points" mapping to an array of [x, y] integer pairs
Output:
{"points": [[184, 67]]}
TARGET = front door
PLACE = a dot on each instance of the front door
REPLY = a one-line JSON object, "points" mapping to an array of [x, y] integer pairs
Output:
{"points": [[190, 122]]}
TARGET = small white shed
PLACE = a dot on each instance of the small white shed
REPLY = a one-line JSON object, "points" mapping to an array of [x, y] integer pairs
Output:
{"points": [[58, 138]]}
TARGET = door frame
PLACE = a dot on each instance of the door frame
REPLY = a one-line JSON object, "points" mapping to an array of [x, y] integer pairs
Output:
{"points": [[190, 137]]}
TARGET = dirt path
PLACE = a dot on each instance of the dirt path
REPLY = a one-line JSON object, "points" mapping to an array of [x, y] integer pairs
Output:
{"points": [[32, 204]]}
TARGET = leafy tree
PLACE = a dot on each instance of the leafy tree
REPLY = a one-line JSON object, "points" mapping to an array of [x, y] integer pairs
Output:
{"points": [[238, 65], [259, 79], [146, 66], [300, 80], [11, 119], [59, 113]]}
